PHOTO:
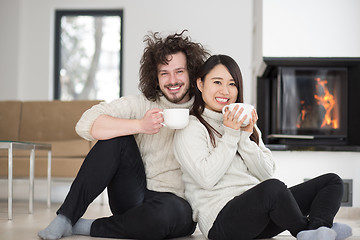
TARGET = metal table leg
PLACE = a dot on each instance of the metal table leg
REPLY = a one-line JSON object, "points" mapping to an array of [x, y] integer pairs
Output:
{"points": [[31, 180], [10, 179], [11, 145], [49, 180]]}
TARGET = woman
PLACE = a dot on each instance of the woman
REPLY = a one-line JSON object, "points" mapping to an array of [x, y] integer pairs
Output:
{"points": [[227, 171]]}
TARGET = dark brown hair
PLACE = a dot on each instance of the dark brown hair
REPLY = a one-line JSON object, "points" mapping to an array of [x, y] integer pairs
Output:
{"points": [[199, 104], [157, 51]]}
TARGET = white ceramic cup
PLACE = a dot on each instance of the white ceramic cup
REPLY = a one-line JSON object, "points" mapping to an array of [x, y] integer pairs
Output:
{"points": [[247, 110], [175, 118]]}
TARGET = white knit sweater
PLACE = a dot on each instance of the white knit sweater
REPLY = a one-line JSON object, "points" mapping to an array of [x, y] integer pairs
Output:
{"points": [[162, 170], [214, 176]]}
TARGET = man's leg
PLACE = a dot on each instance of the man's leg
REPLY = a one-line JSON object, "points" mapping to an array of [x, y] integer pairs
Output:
{"points": [[114, 163], [161, 216]]}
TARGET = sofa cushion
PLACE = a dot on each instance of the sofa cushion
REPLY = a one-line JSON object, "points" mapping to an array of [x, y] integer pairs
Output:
{"points": [[70, 148], [10, 112], [51, 120]]}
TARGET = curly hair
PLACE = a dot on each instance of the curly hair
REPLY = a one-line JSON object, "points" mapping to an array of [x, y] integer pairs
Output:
{"points": [[157, 51]]}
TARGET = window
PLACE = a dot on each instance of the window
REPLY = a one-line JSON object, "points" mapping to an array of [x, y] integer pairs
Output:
{"points": [[88, 50]]}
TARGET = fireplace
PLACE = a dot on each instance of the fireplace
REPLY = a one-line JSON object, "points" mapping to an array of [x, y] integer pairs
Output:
{"points": [[310, 103]]}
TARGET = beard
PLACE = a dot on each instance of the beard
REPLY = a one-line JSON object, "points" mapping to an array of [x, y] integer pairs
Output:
{"points": [[175, 98]]}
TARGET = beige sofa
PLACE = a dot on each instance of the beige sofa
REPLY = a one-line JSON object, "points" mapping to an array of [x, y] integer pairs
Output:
{"points": [[45, 122]]}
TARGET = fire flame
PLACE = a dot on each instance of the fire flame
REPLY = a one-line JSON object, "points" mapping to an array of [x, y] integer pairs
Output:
{"points": [[302, 114], [327, 100]]}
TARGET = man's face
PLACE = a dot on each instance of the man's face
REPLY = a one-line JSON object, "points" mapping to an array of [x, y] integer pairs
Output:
{"points": [[174, 78]]}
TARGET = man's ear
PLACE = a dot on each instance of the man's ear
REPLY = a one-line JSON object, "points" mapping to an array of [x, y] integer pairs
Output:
{"points": [[200, 84]]}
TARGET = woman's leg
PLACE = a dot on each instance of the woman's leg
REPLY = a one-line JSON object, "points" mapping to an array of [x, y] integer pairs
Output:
{"points": [[319, 199], [270, 203], [161, 216]]}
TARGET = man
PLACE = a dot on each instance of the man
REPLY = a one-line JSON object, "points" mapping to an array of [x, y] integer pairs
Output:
{"points": [[134, 155]]}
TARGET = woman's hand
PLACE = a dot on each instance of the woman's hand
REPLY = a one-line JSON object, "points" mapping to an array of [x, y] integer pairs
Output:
{"points": [[252, 122], [230, 118]]}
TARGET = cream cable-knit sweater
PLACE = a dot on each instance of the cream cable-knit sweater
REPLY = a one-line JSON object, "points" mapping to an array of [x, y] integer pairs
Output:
{"points": [[162, 170], [214, 176]]}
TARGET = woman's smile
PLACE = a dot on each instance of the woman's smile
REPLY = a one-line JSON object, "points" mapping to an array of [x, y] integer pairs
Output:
{"points": [[222, 100]]}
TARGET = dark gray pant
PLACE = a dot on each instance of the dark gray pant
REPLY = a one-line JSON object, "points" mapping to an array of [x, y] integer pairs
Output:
{"points": [[138, 213]]}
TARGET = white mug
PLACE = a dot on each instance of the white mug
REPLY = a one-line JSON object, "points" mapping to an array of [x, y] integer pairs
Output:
{"points": [[175, 118], [247, 110]]}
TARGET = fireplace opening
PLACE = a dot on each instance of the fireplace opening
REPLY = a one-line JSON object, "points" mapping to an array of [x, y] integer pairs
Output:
{"points": [[309, 103]]}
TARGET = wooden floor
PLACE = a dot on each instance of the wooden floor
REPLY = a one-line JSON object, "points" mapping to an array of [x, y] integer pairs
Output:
{"points": [[25, 225]]}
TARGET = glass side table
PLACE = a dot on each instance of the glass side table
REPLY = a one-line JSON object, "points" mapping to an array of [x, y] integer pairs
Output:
{"points": [[15, 145]]}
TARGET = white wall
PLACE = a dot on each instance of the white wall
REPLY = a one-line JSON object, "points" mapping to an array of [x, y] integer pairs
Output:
{"points": [[9, 48], [307, 28], [294, 167], [221, 26]]}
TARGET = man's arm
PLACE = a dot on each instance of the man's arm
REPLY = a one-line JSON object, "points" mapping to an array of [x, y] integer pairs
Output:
{"points": [[106, 127]]}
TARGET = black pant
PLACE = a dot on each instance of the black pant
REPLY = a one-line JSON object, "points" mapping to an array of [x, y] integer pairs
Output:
{"points": [[270, 208], [138, 213]]}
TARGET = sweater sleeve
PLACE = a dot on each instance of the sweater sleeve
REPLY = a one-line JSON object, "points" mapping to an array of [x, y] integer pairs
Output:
{"points": [[120, 108], [257, 158], [205, 164]]}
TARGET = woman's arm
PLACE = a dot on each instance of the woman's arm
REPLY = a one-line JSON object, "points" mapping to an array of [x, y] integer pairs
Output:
{"points": [[205, 164], [257, 158]]}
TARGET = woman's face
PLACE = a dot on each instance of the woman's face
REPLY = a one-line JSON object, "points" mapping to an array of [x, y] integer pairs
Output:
{"points": [[218, 88]]}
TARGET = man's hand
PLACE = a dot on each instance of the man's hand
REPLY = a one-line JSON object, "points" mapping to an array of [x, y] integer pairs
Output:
{"points": [[151, 122]]}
